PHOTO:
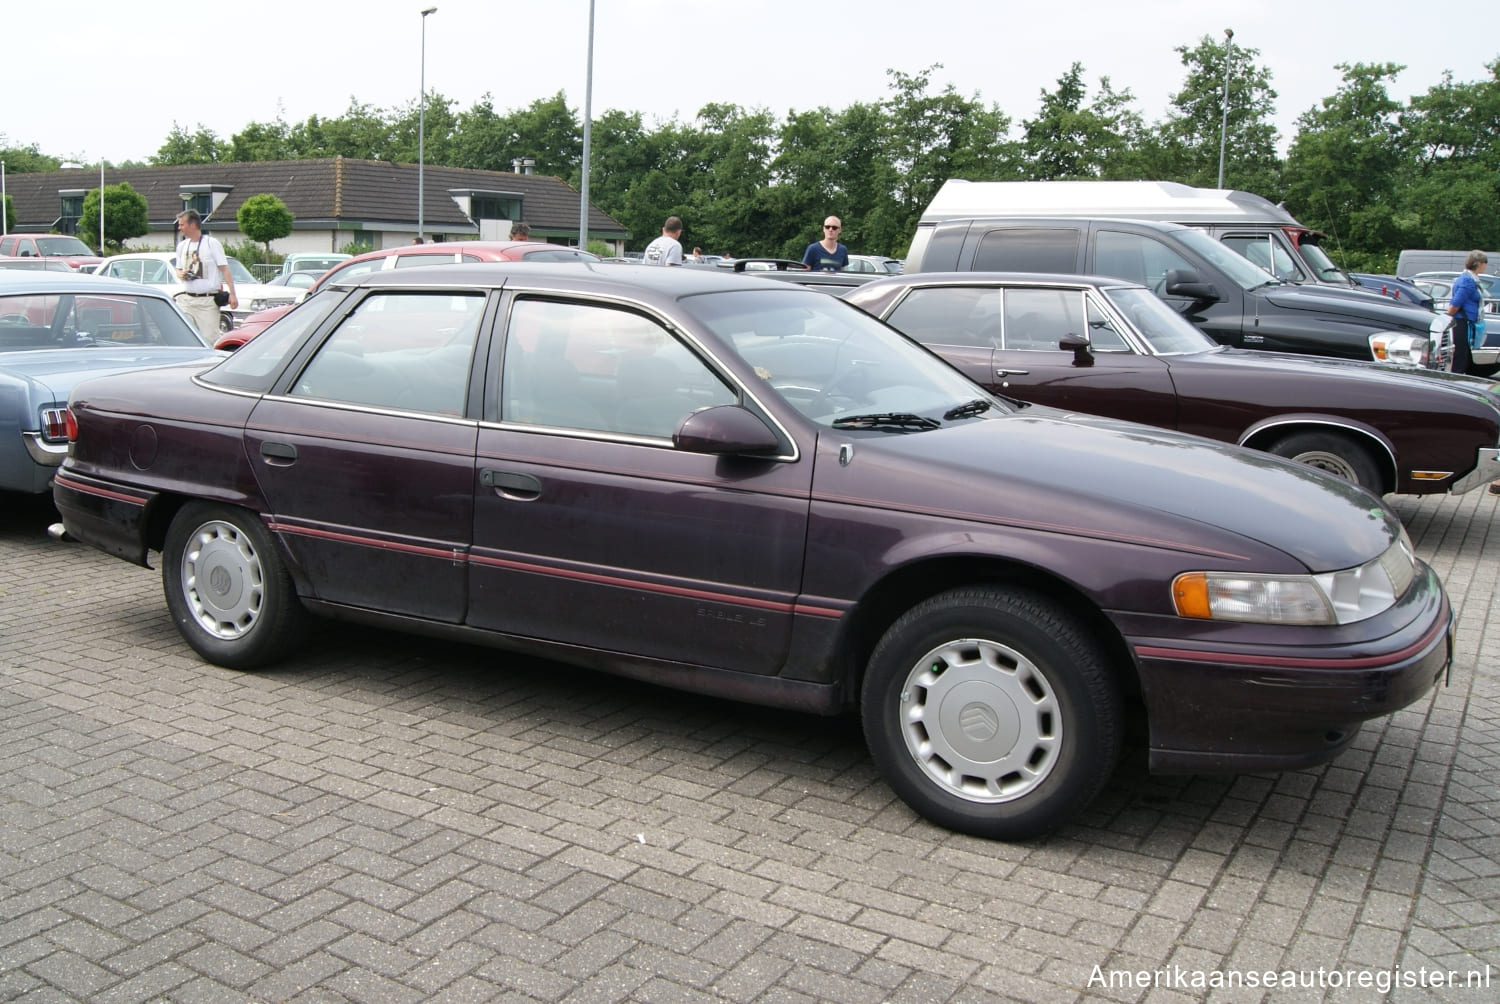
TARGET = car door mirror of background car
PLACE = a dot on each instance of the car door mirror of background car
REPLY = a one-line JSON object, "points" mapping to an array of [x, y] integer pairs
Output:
{"points": [[1186, 282], [1079, 346], [726, 429]]}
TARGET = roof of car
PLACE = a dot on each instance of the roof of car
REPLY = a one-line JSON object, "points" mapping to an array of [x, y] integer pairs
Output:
{"points": [[600, 276], [17, 280]]}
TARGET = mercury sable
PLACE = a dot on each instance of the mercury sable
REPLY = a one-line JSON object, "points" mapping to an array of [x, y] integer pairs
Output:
{"points": [[754, 490]]}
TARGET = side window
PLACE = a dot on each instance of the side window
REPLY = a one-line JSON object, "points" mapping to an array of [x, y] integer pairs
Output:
{"points": [[125, 270], [601, 369], [949, 316], [8, 247], [1265, 251], [410, 351], [155, 272], [414, 260], [1103, 335], [1135, 257], [1028, 249], [1037, 319]]}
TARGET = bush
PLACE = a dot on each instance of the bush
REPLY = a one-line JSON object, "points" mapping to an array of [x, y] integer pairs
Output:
{"points": [[356, 247]]}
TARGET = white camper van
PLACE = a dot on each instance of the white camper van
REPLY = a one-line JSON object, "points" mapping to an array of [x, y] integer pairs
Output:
{"points": [[1254, 227]]}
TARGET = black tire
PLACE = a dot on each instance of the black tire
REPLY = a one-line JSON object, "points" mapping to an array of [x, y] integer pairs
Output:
{"points": [[1338, 455], [226, 323], [1029, 719], [227, 587]]}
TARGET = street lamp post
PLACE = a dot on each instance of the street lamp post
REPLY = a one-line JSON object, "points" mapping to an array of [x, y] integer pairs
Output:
{"points": [[588, 97], [1224, 120], [422, 127]]}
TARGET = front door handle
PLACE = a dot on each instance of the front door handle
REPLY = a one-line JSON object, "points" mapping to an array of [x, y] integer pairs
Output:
{"points": [[1003, 372], [511, 484]]}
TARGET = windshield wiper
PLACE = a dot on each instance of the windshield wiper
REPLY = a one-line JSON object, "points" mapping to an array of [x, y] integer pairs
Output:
{"points": [[968, 409], [887, 420]]}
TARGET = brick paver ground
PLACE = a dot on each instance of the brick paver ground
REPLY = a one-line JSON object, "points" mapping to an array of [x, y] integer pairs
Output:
{"points": [[388, 819]]}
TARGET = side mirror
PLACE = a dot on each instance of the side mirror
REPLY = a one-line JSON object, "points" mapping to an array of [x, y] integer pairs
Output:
{"points": [[1186, 282], [1079, 346], [725, 429]]}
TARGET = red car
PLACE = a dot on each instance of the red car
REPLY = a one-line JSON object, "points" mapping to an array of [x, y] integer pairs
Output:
{"points": [[75, 252], [406, 256]]}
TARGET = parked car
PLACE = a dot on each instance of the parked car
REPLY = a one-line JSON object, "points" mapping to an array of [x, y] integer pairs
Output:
{"points": [[157, 268], [40, 265], [312, 261], [1395, 288], [753, 490], [407, 256], [878, 264], [61, 246], [1411, 262], [1108, 347], [1439, 285], [1231, 300], [56, 329]]}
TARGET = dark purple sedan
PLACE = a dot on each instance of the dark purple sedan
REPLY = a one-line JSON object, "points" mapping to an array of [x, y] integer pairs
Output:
{"points": [[1109, 347], [750, 489]]}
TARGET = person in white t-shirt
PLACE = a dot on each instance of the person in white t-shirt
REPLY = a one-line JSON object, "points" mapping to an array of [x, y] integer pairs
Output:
{"points": [[666, 250], [204, 270]]}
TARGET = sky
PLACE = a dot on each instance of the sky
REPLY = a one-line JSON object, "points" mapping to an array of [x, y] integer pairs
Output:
{"points": [[92, 63]]}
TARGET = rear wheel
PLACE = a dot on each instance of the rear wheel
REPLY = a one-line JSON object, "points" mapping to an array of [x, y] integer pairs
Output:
{"points": [[1336, 454], [227, 587], [992, 711]]}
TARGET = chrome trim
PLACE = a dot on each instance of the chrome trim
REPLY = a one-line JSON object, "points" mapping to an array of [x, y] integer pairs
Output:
{"points": [[1318, 420], [44, 453], [1486, 469]]}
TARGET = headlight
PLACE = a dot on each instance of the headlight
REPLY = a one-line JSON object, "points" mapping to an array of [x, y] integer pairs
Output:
{"points": [[259, 303], [1342, 597], [1400, 347]]}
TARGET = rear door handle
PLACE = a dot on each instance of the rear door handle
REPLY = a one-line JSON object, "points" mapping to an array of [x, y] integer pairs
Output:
{"points": [[278, 451], [511, 484]]}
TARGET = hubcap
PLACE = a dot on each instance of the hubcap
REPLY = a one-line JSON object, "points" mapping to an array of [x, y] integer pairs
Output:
{"points": [[981, 720], [222, 580], [1330, 462]]}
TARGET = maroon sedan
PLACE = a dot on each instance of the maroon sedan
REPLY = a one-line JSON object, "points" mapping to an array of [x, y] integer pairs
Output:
{"points": [[753, 490], [1109, 347]]}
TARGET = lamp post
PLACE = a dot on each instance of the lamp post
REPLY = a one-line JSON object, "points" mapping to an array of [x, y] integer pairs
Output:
{"points": [[422, 126], [1224, 120], [588, 97]]}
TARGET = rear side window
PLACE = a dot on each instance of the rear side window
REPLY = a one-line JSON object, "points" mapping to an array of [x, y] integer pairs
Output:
{"points": [[950, 316], [1028, 249]]}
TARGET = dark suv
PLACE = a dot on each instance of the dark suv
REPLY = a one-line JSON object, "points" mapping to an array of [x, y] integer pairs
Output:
{"points": [[1231, 300]]}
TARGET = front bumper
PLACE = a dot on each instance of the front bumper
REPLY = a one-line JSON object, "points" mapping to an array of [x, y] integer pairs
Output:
{"points": [[1485, 471], [1218, 706]]}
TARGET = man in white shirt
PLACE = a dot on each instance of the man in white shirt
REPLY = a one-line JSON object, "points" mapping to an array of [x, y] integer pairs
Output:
{"points": [[666, 250], [204, 270]]}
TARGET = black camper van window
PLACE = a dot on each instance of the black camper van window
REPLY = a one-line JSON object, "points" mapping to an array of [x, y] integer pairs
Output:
{"points": [[1028, 249]]}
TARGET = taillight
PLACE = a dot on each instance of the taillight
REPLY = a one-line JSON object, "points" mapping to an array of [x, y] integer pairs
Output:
{"points": [[57, 425], [70, 423]]}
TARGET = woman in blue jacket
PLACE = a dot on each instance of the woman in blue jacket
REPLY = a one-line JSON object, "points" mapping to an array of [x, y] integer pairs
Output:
{"points": [[1464, 306]]}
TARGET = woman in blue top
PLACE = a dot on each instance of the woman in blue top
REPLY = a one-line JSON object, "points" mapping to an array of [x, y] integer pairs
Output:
{"points": [[1464, 305]]}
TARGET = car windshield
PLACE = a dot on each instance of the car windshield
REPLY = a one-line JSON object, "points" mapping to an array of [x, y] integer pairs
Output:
{"points": [[86, 320], [1165, 330], [1321, 264], [1238, 268], [63, 245], [240, 272], [837, 365]]}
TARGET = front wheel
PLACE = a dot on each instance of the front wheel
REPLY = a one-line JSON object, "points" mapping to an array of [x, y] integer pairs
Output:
{"points": [[1336, 454], [992, 711], [227, 587]]}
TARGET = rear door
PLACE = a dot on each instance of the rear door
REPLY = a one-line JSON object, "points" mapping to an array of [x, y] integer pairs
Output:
{"points": [[366, 455]]}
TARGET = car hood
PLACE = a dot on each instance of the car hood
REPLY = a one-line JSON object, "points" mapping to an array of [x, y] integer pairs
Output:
{"points": [[56, 371], [1358, 303], [1086, 475], [1382, 378]]}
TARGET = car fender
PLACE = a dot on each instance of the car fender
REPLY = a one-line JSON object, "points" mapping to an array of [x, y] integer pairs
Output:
{"points": [[1261, 434]]}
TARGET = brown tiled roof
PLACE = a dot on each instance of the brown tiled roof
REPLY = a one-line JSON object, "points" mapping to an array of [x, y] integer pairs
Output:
{"points": [[320, 193]]}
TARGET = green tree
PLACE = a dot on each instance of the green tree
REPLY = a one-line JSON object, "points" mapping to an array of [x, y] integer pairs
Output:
{"points": [[361, 133], [26, 159], [1071, 140], [264, 218], [1450, 147], [1185, 147], [10, 214], [124, 215], [1342, 169], [262, 141], [182, 147]]}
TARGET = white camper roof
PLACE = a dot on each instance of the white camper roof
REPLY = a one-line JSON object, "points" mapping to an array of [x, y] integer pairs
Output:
{"points": [[1167, 201]]}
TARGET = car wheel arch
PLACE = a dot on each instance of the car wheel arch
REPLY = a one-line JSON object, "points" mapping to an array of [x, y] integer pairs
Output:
{"points": [[906, 587], [1266, 434]]}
